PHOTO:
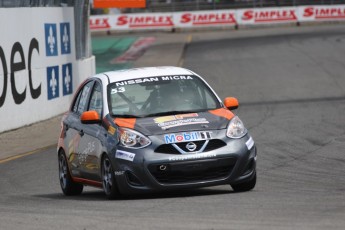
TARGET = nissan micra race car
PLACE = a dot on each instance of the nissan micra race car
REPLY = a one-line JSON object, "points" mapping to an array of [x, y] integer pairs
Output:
{"points": [[150, 130]]}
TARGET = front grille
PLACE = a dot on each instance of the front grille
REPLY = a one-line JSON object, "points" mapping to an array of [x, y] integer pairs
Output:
{"points": [[167, 148], [182, 145], [193, 171], [170, 149], [214, 144]]}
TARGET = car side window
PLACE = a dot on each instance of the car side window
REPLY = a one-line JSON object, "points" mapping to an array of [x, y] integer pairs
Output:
{"points": [[76, 102], [96, 102], [79, 104]]}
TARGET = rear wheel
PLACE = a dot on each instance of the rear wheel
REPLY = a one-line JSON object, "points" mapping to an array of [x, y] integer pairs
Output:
{"points": [[68, 186], [108, 179], [246, 186]]}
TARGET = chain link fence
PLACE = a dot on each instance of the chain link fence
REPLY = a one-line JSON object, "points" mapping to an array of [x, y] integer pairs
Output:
{"points": [[35, 3], [82, 11], [191, 5]]}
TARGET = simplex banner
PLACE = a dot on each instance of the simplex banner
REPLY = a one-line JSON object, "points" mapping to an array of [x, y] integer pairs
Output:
{"points": [[132, 21], [205, 18], [218, 18], [321, 13]]}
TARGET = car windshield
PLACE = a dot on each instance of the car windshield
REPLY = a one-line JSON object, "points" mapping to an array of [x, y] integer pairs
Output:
{"points": [[158, 96]]}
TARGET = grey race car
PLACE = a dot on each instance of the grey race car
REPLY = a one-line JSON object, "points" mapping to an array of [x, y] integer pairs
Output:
{"points": [[153, 129]]}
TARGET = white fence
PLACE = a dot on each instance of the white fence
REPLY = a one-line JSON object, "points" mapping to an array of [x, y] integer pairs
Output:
{"points": [[39, 71], [219, 18]]}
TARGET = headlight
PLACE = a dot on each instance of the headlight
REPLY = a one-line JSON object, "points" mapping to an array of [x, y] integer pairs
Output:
{"points": [[236, 128], [132, 139]]}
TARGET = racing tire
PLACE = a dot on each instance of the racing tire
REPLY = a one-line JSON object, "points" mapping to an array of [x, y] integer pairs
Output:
{"points": [[108, 179], [68, 186], [246, 186]]}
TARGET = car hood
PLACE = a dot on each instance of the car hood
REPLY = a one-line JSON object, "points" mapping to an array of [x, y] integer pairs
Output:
{"points": [[208, 120]]}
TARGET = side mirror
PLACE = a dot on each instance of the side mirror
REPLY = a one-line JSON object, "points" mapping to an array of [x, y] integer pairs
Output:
{"points": [[231, 103], [90, 117]]}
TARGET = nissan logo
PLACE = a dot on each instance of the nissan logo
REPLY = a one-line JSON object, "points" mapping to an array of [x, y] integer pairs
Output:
{"points": [[191, 146]]}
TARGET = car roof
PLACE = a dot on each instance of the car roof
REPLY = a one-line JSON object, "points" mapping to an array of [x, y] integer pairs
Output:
{"points": [[127, 74]]}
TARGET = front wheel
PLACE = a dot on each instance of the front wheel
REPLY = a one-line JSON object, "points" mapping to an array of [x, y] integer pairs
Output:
{"points": [[108, 179], [68, 186], [246, 186]]}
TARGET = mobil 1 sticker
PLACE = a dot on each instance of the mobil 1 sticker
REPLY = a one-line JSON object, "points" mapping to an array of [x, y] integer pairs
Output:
{"points": [[190, 136]]}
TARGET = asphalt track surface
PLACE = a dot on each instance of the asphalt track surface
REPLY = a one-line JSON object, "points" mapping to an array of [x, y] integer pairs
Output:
{"points": [[292, 93]]}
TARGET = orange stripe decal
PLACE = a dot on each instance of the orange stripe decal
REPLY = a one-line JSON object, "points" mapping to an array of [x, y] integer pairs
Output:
{"points": [[86, 181], [125, 122], [222, 113]]}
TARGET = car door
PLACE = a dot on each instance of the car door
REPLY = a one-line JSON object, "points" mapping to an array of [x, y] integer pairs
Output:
{"points": [[73, 128], [92, 137]]}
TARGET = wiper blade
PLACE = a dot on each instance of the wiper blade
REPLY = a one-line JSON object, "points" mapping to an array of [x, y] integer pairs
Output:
{"points": [[126, 116], [171, 113]]}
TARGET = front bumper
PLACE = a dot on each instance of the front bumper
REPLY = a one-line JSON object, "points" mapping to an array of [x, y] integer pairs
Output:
{"points": [[150, 171]]}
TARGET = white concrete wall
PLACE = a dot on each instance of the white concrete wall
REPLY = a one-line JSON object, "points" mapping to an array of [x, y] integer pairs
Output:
{"points": [[38, 69]]}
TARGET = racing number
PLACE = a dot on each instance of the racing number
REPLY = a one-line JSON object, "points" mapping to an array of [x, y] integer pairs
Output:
{"points": [[118, 90]]}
